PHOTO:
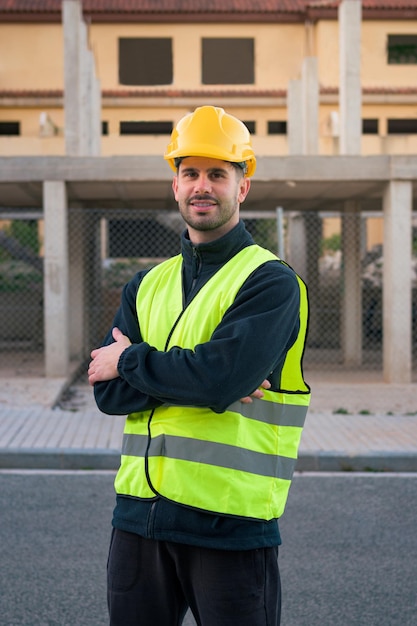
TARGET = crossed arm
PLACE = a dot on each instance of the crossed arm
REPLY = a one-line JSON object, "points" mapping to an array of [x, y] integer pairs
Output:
{"points": [[103, 366], [247, 347]]}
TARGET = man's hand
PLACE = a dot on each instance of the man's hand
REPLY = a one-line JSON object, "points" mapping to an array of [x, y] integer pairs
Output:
{"points": [[104, 360], [258, 393]]}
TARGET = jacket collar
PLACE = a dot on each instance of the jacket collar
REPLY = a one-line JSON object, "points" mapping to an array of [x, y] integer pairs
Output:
{"points": [[220, 250]]}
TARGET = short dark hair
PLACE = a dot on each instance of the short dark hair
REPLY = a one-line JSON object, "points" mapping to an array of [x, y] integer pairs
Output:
{"points": [[241, 165]]}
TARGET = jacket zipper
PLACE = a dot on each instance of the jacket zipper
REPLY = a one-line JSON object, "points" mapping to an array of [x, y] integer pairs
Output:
{"points": [[196, 267], [151, 520]]}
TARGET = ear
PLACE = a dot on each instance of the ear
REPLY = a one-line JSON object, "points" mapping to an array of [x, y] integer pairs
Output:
{"points": [[244, 186], [175, 186]]}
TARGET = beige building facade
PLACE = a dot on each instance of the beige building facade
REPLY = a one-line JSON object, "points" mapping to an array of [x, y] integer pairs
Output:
{"points": [[32, 72], [89, 96]]}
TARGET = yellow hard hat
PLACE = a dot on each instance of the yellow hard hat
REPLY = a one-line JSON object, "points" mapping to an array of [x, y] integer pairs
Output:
{"points": [[211, 132]]}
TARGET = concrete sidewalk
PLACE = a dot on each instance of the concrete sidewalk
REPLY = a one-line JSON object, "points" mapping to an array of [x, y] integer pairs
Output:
{"points": [[338, 435]]}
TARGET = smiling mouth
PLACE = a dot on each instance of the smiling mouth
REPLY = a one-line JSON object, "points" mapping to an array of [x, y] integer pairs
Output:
{"points": [[203, 204]]}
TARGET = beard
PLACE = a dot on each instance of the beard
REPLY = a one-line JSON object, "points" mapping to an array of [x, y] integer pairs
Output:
{"points": [[215, 217]]}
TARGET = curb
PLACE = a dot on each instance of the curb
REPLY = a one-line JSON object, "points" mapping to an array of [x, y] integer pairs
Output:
{"points": [[93, 459], [341, 462], [59, 459]]}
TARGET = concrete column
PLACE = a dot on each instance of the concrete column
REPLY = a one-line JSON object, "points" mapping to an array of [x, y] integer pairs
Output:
{"points": [[397, 206], [295, 117], [304, 233], [297, 243], [303, 103], [296, 231], [71, 18], [56, 279], [82, 99], [310, 105], [352, 286], [89, 102], [313, 227], [85, 83], [95, 111], [350, 102], [350, 90]]}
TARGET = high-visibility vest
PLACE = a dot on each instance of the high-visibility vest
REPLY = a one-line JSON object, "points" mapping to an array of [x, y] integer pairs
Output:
{"points": [[239, 462]]}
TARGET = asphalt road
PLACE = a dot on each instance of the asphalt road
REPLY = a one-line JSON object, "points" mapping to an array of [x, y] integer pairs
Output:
{"points": [[348, 558]]}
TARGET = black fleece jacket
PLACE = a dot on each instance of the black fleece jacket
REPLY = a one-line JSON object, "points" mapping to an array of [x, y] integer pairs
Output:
{"points": [[249, 345]]}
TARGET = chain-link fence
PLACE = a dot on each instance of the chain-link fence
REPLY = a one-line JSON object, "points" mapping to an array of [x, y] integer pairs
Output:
{"points": [[114, 244], [326, 259], [21, 295]]}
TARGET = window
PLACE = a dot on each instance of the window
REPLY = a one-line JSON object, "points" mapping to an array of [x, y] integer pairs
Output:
{"points": [[277, 128], [402, 126], [104, 128], [402, 49], [146, 128], [9, 128], [146, 61], [370, 126], [228, 61]]}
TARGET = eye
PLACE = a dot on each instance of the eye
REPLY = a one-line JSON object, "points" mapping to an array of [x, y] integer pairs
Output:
{"points": [[216, 174], [189, 174]]}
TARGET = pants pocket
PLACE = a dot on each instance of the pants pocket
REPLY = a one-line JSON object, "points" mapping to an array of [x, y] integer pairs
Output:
{"points": [[123, 561]]}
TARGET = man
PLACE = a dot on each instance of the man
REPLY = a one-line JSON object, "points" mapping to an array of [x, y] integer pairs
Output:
{"points": [[204, 476]]}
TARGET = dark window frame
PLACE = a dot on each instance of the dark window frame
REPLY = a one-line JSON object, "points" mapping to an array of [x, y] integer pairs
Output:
{"points": [[228, 61], [402, 126], [402, 49], [145, 61], [370, 126], [9, 128], [140, 127], [277, 127]]}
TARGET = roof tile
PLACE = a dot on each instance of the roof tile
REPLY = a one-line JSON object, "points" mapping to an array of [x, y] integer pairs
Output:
{"points": [[159, 6], [195, 7]]}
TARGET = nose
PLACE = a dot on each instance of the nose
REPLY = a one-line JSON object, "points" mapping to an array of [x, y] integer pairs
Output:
{"points": [[202, 184]]}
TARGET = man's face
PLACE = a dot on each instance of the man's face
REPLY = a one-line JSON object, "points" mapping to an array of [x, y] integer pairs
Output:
{"points": [[209, 192]]}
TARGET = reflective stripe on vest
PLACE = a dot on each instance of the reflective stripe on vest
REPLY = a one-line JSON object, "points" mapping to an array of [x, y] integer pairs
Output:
{"points": [[239, 462]]}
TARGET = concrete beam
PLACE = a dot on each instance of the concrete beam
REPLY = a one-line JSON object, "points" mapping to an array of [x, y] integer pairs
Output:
{"points": [[141, 168]]}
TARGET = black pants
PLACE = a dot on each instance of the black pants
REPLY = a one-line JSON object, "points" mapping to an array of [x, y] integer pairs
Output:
{"points": [[152, 583]]}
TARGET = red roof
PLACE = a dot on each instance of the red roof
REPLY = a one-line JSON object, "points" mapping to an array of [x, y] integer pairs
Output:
{"points": [[159, 6], [386, 5], [198, 6]]}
